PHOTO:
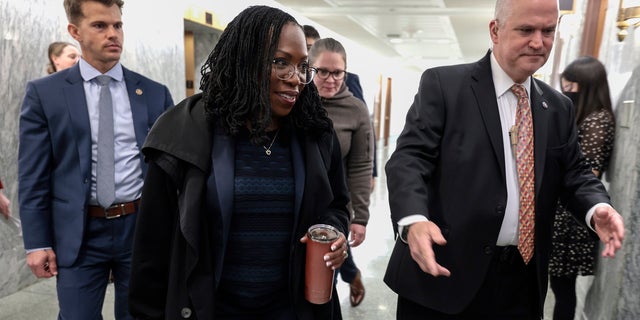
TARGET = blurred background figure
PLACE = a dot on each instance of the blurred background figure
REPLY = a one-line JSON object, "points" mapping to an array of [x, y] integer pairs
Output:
{"points": [[574, 251], [62, 55], [351, 121], [4, 204]]}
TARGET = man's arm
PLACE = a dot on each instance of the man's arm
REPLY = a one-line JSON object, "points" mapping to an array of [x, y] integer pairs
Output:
{"points": [[414, 161], [34, 172], [410, 168]]}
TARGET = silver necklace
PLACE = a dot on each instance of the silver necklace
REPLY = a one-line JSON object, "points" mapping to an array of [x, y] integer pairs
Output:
{"points": [[267, 150]]}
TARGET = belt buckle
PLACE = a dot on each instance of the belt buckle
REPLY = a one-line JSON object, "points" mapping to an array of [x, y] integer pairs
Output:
{"points": [[115, 206]]}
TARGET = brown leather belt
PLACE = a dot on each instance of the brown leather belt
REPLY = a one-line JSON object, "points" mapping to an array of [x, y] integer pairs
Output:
{"points": [[115, 211]]}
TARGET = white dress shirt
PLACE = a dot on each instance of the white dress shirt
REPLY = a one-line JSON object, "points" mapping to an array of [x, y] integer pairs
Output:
{"points": [[128, 170]]}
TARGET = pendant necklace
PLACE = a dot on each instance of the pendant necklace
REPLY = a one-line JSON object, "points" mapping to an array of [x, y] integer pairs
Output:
{"points": [[267, 150]]}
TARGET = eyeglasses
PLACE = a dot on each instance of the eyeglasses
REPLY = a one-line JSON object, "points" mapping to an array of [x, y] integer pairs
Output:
{"points": [[337, 75], [286, 70]]}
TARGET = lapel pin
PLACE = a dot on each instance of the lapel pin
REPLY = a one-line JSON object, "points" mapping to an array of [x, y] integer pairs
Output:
{"points": [[139, 91], [544, 105]]}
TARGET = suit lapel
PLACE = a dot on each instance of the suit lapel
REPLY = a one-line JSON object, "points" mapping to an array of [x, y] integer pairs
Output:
{"points": [[222, 164], [298, 173], [484, 93], [136, 93], [76, 102], [540, 116], [482, 83]]}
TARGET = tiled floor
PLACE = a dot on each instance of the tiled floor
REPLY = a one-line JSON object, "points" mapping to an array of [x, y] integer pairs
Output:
{"points": [[39, 300]]}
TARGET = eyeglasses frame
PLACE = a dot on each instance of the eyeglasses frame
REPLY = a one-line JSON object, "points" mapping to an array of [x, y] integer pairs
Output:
{"points": [[331, 73], [296, 71]]}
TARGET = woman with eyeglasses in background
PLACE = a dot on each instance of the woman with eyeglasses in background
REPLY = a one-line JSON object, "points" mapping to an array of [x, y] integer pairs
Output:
{"points": [[237, 174], [351, 121]]}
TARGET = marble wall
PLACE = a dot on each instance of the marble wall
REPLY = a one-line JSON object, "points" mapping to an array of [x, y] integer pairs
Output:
{"points": [[153, 46], [616, 289], [205, 41]]}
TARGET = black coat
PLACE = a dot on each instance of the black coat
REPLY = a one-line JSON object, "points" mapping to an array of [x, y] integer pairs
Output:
{"points": [[179, 249]]}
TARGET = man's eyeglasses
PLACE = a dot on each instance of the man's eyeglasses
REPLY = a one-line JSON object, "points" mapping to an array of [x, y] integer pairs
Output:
{"points": [[337, 75], [285, 70]]}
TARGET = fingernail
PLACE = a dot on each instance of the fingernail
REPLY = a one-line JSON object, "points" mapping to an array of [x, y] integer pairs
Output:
{"points": [[333, 248], [326, 258], [329, 264]]}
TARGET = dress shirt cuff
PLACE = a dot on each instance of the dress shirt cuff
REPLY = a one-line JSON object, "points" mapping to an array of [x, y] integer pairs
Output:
{"points": [[592, 211], [409, 220], [38, 249]]}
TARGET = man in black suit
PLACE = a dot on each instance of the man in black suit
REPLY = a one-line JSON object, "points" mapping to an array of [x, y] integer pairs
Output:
{"points": [[454, 185]]}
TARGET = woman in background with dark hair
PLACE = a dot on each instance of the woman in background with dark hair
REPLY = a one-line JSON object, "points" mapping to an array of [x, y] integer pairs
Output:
{"points": [[237, 174], [574, 251]]}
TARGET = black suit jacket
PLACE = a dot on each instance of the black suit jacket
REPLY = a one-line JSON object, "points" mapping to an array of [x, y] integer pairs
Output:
{"points": [[449, 165]]}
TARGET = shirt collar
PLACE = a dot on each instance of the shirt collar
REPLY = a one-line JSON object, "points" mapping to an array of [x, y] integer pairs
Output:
{"points": [[88, 72], [501, 80]]}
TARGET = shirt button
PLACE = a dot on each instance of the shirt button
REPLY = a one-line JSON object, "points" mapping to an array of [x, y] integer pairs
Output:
{"points": [[185, 313]]}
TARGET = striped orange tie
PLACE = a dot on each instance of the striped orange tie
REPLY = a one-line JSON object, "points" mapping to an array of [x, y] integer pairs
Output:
{"points": [[525, 164]]}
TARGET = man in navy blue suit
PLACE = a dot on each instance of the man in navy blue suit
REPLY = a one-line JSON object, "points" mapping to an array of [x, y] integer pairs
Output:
{"points": [[67, 234]]}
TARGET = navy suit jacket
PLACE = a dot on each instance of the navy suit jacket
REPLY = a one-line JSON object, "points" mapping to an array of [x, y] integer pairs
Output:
{"points": [[353, 83], [449, 165], [54, 157]]}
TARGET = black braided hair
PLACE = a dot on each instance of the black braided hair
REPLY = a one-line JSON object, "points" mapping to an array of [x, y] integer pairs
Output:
{"points": [[236, 77]]}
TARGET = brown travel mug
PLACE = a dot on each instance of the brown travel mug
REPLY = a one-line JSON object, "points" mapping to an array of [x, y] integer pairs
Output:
{"points": [[318, 284]]}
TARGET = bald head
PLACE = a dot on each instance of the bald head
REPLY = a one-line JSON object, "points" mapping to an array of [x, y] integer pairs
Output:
{"points": [[522, 34], [504, 8]]}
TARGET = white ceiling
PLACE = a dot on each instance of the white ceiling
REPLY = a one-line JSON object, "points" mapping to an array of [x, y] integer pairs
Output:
{"points": [[422, 33]]}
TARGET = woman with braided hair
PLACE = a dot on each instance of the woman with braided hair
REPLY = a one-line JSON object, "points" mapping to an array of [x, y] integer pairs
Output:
{"points": [[237, 174]]}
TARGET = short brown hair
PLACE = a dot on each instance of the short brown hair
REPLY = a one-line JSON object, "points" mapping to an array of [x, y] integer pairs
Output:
{"points": [[310, 32], [73, 8]]}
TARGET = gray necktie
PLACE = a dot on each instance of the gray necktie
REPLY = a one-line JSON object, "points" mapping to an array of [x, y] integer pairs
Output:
{"points": [[105, 184]]}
